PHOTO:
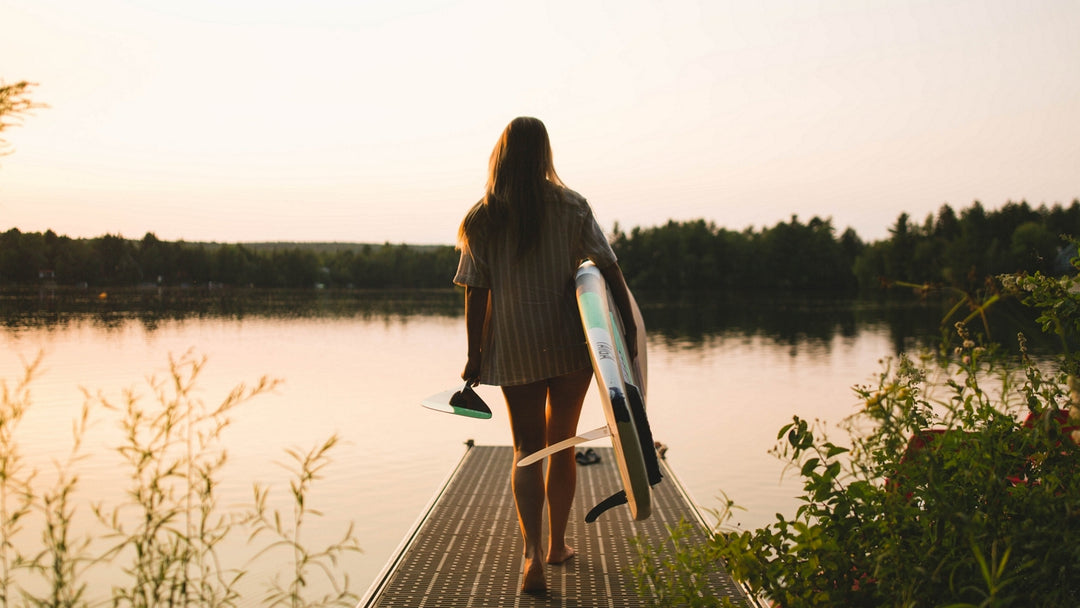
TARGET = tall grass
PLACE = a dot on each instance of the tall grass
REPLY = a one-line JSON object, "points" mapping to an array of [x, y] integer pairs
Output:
{"points": [[162, 536], [63, 557], [305, 470], [16, 488]]}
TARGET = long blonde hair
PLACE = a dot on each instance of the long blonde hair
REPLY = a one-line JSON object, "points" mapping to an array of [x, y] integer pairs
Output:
{"points": [[520, 173]]}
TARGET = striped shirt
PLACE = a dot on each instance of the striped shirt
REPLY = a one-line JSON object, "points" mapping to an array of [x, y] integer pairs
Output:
{"points": [[533, 331]]}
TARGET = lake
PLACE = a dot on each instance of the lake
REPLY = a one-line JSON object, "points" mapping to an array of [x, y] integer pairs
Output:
{"points": [[724, 375]]}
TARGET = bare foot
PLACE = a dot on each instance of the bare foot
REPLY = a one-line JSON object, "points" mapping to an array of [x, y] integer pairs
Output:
{"points": [[561, 555], [533, 577]]}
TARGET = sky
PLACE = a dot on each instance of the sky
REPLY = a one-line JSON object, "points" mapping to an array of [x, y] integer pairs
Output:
{"points": [[373, 120]]}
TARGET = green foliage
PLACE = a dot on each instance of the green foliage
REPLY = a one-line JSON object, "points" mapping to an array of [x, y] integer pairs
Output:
{"points": [[885, 526], [164, 536], [16, 481], [287, 537], [112, 260], [677, 572], [64, 558], [965, 251], [958, 485], [1057, 300], [957, 251], [170, 525], [698, 255]]}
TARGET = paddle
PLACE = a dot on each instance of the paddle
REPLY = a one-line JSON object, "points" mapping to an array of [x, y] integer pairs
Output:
{"points": [[463, 402]]}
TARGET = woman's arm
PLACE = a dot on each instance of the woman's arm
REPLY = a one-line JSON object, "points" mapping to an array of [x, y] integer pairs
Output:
{"points": [[476, 311], [621, 293]]}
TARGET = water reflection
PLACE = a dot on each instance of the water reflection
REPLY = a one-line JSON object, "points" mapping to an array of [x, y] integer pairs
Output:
{"points": [[789, 320], [688, 320], [815, 321], [153, 306]]}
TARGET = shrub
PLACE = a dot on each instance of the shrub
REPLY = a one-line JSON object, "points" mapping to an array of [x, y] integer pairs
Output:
{"points": [[959, 485]]}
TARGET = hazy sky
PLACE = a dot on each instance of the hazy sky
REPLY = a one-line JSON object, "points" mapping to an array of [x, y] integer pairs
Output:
{"points": [[372, 120]]}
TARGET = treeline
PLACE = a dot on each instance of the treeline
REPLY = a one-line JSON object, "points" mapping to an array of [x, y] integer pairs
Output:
{"points": [[949, 248], [111, 260], [699, 255], [963, 250]]}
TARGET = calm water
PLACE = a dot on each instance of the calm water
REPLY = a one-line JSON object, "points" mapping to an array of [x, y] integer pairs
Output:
{"points": [[723, 377]]}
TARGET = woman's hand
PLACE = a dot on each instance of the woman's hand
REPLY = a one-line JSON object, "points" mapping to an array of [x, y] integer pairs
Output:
{"points": [[471, 374]]}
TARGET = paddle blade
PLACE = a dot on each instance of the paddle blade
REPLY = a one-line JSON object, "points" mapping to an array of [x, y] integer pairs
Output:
{"points": [[463, 402]]}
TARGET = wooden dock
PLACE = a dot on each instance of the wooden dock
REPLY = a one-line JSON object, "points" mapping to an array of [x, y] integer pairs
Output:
{"points": [[466, 548]]}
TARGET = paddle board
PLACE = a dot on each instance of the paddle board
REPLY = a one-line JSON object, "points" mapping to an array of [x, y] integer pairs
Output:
{"points": [[619, 381], [622, 383]]}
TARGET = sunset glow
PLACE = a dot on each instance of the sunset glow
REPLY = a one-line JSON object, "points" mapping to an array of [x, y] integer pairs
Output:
{"points": [[372, 121]]}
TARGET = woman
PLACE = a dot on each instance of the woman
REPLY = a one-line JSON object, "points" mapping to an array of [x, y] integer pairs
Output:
{"points": [[520, 247]]}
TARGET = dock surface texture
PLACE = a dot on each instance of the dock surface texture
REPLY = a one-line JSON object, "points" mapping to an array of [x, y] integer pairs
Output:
{"points": [[467, 549]]}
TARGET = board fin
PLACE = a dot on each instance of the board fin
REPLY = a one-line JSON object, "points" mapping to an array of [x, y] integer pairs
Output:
{"points": [[648, 450], [598, 433], [616, 499]]}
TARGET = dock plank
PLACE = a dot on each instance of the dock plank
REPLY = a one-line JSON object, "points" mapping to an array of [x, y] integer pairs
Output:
{"points": [[466, 551]]}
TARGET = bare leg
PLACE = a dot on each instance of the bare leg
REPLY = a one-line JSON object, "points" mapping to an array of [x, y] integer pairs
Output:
{"points": [[527, 423], [566, 394]]}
